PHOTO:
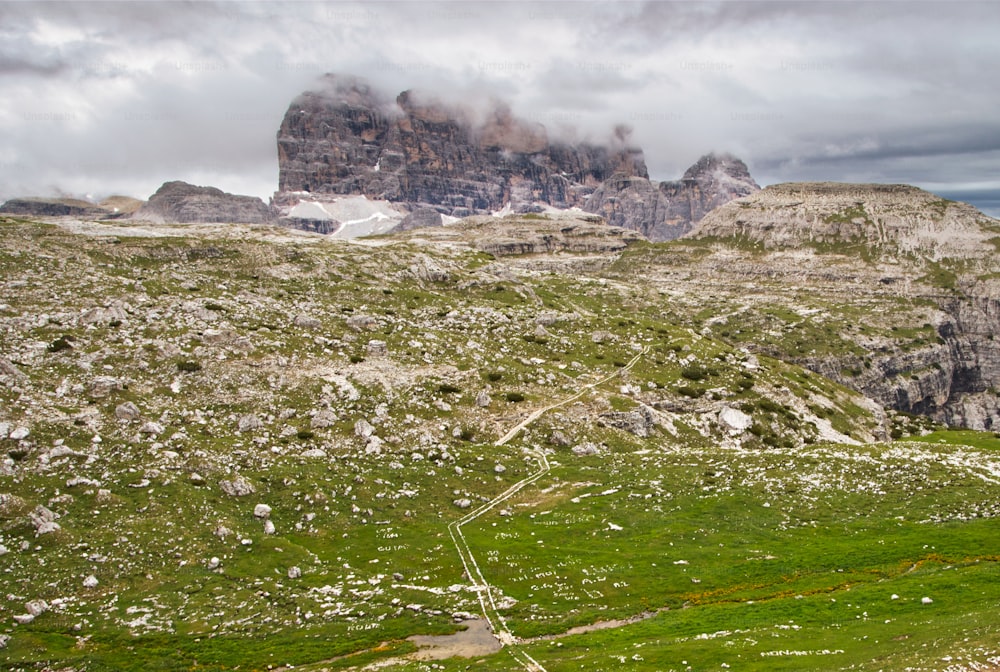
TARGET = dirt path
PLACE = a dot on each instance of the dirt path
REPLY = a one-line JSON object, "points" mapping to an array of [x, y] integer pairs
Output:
{"points": [[487, 601]]}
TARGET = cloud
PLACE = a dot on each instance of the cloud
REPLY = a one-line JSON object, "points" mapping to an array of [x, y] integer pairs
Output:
{"points": [[121, 96]]}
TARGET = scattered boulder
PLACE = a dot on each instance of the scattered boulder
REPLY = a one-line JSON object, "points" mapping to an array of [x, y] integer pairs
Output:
{"points": [[557, 438], [262, 511], [152, 428], [37, 607], [463, 503], [90, 582], [323, 418], [639, 422], [102, 386], [127, 412], [363, 429], [586, 448], [306, 322], [237, 487], [44, 520], [249, 422], [294, 572], [735, 420]]}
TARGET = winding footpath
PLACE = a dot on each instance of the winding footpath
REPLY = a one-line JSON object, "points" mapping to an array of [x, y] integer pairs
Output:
{"points": [[484, 590]]}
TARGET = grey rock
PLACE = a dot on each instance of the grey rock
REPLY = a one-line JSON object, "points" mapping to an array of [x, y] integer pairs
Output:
{"points": [[179, 202], [152, 427], [323, 418], [348, 138], [420, 218], [306, 322], [586, 448], [127, 411], [237, 487], [639, 422], [668, 210], [103, 386], [249, 422]]}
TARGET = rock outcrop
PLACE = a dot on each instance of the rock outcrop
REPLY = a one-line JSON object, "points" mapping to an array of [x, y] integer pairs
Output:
{"points": [[894, 218], [183, 203], [898, 245], [668, 210]]}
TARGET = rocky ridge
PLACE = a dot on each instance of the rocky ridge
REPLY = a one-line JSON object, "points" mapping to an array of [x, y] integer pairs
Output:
{"points": [[668, 210], [112, 207], [180, 203]]}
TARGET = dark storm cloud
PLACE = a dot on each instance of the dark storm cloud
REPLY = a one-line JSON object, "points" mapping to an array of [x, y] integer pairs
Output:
{"points": [[121, 96]]}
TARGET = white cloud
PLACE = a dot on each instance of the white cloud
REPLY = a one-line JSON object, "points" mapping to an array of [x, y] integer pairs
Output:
{"points": [[119, 97]]}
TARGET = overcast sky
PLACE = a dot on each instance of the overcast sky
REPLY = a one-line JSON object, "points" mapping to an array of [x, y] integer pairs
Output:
{"points": [[118, 97]]}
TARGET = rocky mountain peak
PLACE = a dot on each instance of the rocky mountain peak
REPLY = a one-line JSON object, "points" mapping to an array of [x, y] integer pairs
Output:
{"points": [[180, 202], [668, 210], [344, 137], [722, 169]]}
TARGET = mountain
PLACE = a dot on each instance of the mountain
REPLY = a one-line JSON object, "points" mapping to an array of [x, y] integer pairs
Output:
{"points": [[346, 138], [668, 210], [180, 202]]}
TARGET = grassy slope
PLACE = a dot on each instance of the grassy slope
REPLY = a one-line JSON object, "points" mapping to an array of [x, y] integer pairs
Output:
{"points": [[851, 524]]}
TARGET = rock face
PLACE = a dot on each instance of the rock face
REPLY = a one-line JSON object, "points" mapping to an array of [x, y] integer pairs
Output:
{"points": [[887, 241], [347, 138], [668, 210], [182, 203]]}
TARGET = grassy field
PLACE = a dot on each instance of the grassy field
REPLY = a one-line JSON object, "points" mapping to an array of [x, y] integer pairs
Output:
{"points": [[358, 392]]}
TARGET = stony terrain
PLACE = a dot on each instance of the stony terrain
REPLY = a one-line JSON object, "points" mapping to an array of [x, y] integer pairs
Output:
{"points": [[249, 446], [903, 291]]}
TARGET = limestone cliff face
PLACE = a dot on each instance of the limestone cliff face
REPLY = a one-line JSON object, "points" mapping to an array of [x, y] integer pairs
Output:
{"points": [[668, 210], [895, 242], [347, 138]]}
